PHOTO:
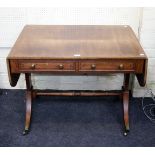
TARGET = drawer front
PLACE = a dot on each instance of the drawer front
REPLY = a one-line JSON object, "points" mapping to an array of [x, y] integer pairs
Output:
{"points": [[46, 66], [107, 65]]}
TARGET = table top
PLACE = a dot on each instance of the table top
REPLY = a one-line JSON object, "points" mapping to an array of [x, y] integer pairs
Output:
{"points": [[77, 42]]}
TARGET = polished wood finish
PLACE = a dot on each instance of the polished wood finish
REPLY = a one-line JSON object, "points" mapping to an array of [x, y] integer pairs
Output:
{"points": [[102, 66], [34, 65], [80, 93], [126, 102], [64, 42], [29, 88], [77, 50], [76, 43]]}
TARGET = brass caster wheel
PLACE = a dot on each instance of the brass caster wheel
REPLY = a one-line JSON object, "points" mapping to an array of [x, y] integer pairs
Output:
{"points": [[126, 132], [25, 132]]}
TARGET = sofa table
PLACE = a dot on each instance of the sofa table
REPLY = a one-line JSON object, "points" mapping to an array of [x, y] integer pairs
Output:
{"points": [[77, 50]]}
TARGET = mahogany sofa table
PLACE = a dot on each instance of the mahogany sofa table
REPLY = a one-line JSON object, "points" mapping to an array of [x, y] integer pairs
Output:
{"points": [[77, 50]]}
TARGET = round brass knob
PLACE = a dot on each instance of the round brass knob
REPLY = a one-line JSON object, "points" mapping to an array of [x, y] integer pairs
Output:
{"points": [[33, 66], [93, 66], [121, 66], [61, 66]]}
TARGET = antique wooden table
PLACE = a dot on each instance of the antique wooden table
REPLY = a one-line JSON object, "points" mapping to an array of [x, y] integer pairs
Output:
{"points": [[77, 50]]}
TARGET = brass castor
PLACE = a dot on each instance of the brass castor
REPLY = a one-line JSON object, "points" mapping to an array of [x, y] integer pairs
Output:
{"points": [[126, 132], [25, 132]]}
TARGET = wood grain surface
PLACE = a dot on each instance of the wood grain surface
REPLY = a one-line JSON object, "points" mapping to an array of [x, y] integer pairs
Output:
{"points": [[76, 42]]}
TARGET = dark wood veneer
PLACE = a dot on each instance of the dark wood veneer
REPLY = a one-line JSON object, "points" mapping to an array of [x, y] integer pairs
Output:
{"points": [[77, 50]]}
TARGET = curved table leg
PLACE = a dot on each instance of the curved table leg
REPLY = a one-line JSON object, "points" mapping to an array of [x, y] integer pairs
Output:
{"points": [[125, 94], [28, 111], [126, 111], [29, 96]]}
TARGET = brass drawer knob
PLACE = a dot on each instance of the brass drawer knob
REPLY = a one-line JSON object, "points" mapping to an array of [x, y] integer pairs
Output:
{"points": [[121, 66], [93, 66], [33, 66], [61, 66]]}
